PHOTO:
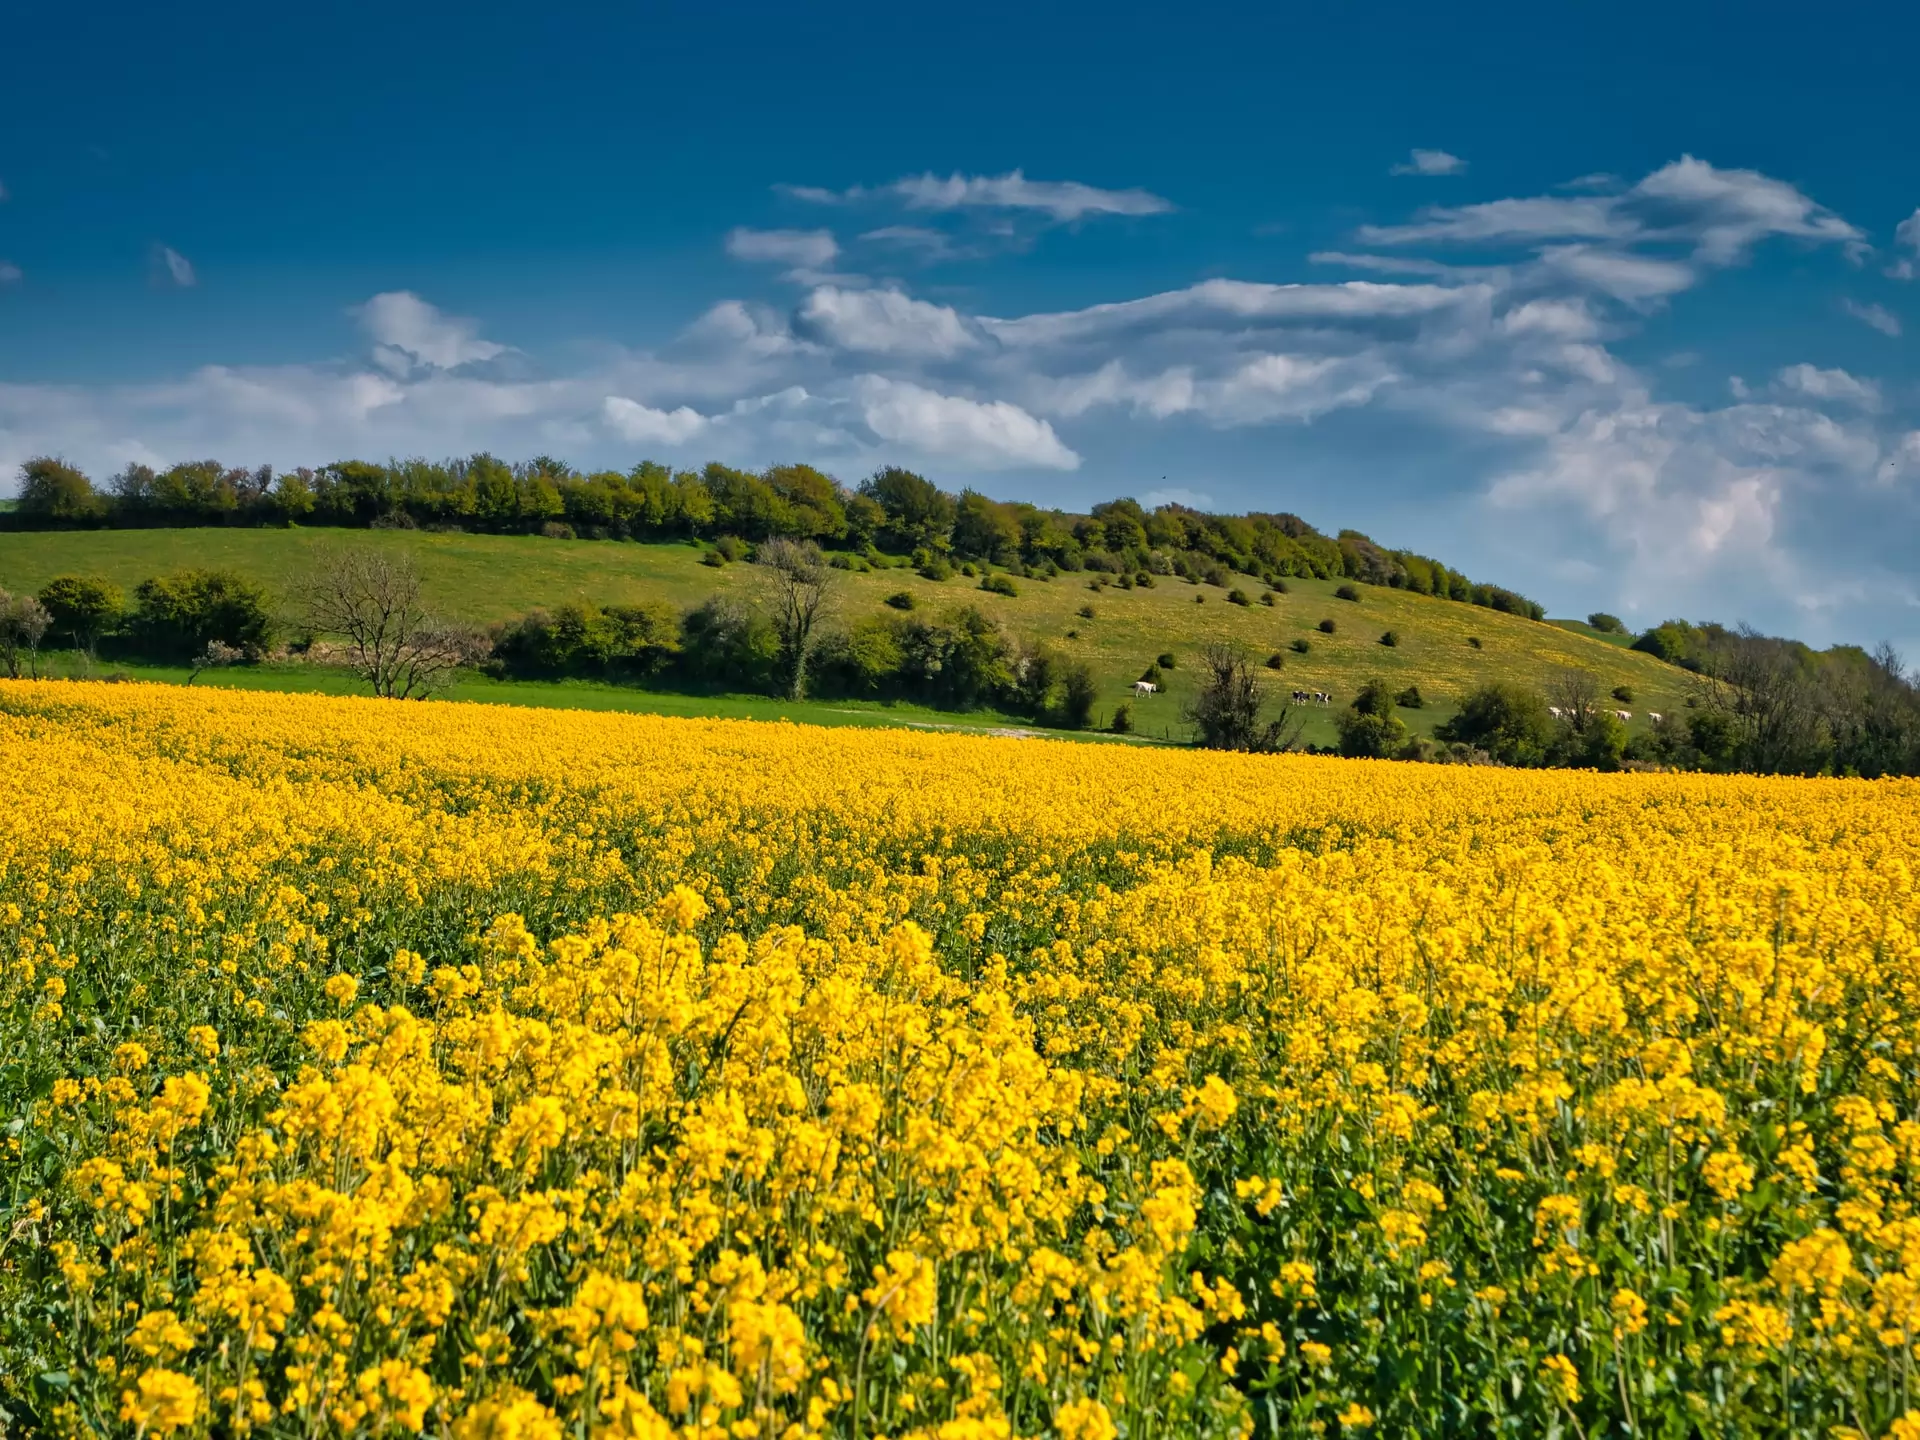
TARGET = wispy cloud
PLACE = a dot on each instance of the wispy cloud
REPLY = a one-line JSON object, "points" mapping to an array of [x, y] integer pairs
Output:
{"points": [[1060, 200], [173, 268], [1430, 162], [1907, 235], [1878, 316], [9, 273], [1817, 384], [802, 249]]}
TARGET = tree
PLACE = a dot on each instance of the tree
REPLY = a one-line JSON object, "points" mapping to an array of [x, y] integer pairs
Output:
{"points": [[1607, 624], [1078, 692], [1507, 721], [802, 598], [1767, 689], [82, 606], [918, 511], [1225, 712], [371, 602], [23, 621], [177, 615], [53, 490], [1369, 729]]}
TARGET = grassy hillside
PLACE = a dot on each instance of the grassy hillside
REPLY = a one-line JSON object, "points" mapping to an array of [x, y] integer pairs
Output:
{"points": [[484, 578]]}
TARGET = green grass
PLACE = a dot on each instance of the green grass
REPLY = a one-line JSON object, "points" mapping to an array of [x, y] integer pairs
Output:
{"points": [[486, 578]]}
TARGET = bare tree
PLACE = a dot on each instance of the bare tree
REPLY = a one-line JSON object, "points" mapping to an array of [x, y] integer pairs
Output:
{"points": [[1576, 695], [802, 599], [1225, 712], [371, 603], [23, 624], [1768, 690], [217, 656]]}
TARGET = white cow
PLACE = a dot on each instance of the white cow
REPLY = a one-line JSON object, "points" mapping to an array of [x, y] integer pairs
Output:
{"points": [[1144, 687], [1556, 712], [1623, 716], [1655, 716]]}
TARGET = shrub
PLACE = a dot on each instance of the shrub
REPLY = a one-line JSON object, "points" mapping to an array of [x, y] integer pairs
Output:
{"points": [[1606, 624], [558, 530], [1301, 646], [1276, 661], [1085, 612], [713, 558], [1410, 698], [1327, 627], [1390, 639], [1165, 662], [1199, 599], [1122, 720], [1078, 692], [1623, 693], [1474, 641], [1368, 728], [1216, 575], [732, 548], [1000, 585], [1347, 592], [936, 568], [177, 616], [1507, 721], [901, 600], [1267, 598], [1238, 596], [1143, 579], [1151, 674], [82, 607], [1277, 587]]}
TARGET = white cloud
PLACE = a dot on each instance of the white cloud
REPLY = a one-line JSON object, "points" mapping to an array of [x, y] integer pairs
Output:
{"points": [[883, 322], [1430, 162], [1906, 233], [406, 331], [1817, 384], [1722, 214], [1060, 200], [801, 249], [1177, 495], [1634, 279], [10, 273], [644, 425], [1555, 319], [174, 268], [1878, 316], [928, 244], [981, 435]]}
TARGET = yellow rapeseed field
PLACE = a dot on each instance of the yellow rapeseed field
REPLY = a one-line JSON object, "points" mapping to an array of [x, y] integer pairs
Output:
{"points": [[377, 1069]]}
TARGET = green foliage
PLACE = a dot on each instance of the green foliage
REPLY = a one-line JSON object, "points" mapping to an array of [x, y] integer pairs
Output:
{"points": [[1079, 691], [1508, 721], [1122, 723], [1266, 598], [54, 491], [1390, 639], [82, 607], [1366, 736], [586, 640], [1624, 694], [1301, 646], [1276, 661], [1166, 660], [177, 616], [1410, 698], [1085, 612], [1607, 624], [901, 600], [1347, 592], [1327, 627], [1238, 596], [1000, 585]]}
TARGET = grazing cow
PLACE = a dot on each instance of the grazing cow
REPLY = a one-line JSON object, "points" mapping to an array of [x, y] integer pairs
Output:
{"points": [[1300, 697], [1556, 712], [1655, 716], [1623, 716], [1144, 687], [1325, 697]]}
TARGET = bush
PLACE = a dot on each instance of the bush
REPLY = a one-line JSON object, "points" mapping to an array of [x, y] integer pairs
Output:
{"points": [[1277, 587], [1216, 575], [1199, 599], [82, 608], [1122, 720], [1078, 692], [1623, 693], [1143, 579], [1267, 598], [1327, 627], [1410, 698], [901, 600], [1085, 612], [558, 530], [1165, 662], [1606, 624], [1000, 585], [1301, 646], [1507, 721], [732, 548], [1276, 661], [1347, 592], [1474, 641], [178, 616], [1369, 729], [1238, 596], [1390, 639], [713, 558]]}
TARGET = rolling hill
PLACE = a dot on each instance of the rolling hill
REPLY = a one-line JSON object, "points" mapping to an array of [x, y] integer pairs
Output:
{"points": [[488, 578]]}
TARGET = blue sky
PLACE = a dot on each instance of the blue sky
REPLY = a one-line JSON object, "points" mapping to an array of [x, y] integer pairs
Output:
{"points": [[1615, 304]]}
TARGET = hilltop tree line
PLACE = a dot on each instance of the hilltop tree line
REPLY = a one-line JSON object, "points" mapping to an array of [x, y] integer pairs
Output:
{"points": [[894, 511]]}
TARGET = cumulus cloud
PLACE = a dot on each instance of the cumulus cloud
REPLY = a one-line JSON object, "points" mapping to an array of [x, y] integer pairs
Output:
{"points": [[883, 322], [800, 249], [1907, 235], [407, 331], [1430, 162], [980, 435], [1878, 316], [1061, 200], [644, 425], [1817, 384], [173, 268]]}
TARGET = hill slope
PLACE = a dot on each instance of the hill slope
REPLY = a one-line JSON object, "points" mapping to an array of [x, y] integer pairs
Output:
{"points": [[486, 578]]}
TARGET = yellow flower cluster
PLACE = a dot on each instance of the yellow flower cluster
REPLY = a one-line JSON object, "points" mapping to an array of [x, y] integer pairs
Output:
{"points": [[377, 1070]]}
